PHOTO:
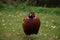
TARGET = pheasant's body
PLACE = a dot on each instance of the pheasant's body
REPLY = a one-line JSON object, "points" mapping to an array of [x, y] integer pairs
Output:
{"points": [[31, 25]]}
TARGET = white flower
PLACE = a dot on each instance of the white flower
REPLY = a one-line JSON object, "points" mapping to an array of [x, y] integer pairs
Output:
{"points": [[0, 13], [14, 16], [46, 25], [5, 27], [44, 34], [10, 23], [45, 16], [52, 20], [13, 30], [9, 15], [56, 36], [18, 33], [42, 17], [20, 14], [46, 22], [53, 26], [40, 33], [3, 20], [3, 24]]}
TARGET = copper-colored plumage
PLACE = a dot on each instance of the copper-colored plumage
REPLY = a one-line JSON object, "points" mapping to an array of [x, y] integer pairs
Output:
{"points": [[31, 25]]}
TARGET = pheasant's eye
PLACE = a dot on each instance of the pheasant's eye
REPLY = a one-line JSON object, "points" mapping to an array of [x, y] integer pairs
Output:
{"points": [[30, 15]]}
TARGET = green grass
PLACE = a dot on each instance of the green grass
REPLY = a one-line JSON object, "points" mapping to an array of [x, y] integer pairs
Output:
{"points": [[11, 20]]}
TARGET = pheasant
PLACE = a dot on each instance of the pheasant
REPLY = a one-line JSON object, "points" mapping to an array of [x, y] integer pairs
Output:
{"points": [[31, 24]]}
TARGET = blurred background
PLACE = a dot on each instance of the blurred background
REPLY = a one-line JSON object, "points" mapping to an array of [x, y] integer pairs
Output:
{"points": [[12, 13]]}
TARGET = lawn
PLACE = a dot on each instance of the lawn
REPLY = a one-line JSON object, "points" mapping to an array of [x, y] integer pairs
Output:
{"points": [[11, 20]]}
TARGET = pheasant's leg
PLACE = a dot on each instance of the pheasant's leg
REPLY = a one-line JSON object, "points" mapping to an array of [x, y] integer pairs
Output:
{"points": [[29, 37]]}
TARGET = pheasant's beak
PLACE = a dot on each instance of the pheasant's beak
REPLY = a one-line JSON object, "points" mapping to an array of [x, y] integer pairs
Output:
{"points": [[31, 15]]}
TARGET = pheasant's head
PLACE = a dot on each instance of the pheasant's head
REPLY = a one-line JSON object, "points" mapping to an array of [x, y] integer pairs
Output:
{"points": [[31, 15]]}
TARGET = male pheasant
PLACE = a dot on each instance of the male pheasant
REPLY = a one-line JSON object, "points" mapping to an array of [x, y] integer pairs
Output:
{"points": [[31, 24]]}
